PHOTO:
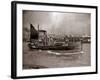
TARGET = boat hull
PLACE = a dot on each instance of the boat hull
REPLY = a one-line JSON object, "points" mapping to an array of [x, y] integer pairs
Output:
{"points": [[54, 47]]}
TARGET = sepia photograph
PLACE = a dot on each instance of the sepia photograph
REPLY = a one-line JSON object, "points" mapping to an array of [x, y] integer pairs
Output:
{"points": [[53, 39], [56, 39]]}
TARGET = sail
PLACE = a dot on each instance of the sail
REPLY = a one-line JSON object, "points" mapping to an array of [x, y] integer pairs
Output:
{"points": [[33, 32]]}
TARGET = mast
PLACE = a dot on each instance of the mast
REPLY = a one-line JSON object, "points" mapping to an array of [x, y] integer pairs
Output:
{"points": [[38, 27], [30, 32]]}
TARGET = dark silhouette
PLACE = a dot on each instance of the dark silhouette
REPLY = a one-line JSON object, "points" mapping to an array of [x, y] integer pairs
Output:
{"points": [[33, 32]]}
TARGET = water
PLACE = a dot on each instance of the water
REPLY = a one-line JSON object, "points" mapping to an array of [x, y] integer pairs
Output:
{"points": [[42, 59]]}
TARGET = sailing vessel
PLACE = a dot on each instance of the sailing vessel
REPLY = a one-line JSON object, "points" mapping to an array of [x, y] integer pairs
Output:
{"points": [[39, 40]]}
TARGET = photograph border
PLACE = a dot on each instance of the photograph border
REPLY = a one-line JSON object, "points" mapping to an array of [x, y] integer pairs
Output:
{"points": [[14, 38]]}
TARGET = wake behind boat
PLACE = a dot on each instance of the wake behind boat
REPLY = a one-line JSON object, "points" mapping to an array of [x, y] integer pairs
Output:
{"points": [[65, 53]]}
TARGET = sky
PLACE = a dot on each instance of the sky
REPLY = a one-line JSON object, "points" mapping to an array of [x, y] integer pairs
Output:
{"points": [[58, 22]]}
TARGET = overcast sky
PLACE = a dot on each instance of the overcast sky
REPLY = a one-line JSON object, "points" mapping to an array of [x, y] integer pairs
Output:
{"points": [[58, 23]]}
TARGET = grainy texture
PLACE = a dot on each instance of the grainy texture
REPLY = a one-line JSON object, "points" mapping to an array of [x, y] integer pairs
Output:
{"points": [[59, 24]]}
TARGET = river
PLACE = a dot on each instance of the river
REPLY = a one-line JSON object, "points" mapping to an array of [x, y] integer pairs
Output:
{"points": [[41, 59]]}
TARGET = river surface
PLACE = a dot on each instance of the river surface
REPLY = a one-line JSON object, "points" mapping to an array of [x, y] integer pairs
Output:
{"points": [[42, 59]]}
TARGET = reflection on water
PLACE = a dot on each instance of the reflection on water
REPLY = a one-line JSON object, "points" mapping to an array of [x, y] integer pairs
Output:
{"points": [[41, 59]]}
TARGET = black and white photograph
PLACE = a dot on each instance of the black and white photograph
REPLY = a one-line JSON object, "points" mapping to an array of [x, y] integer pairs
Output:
{"points": [[56, 39], [53, 39]]}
